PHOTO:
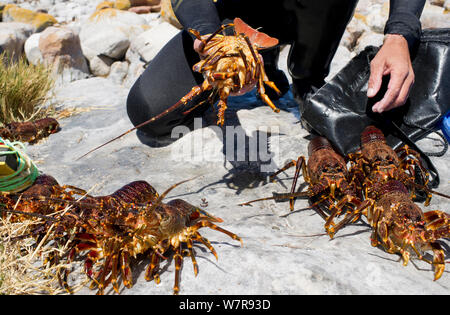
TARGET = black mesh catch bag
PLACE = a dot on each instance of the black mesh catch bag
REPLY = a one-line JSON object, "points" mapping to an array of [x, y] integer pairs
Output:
{"points": [[340, 109]]}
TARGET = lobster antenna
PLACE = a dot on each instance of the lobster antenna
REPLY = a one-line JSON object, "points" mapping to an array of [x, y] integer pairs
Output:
{"points": [[164, 113], [277, 196], [431, 191], [164, 194]]}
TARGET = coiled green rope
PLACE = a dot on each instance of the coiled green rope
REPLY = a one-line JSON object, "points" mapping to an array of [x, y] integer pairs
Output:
{"points": [[26, 172]]}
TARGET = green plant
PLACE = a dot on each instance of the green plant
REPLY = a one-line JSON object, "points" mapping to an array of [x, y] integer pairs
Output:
{"points": [[24, 89]]}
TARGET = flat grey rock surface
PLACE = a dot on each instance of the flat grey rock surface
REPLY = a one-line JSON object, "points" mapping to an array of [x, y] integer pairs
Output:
{"points": [[280, 255]]}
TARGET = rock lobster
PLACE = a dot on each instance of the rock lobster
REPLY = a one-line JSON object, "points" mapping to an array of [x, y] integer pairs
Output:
{"points": [[377, 162], [230, 62], [30, 131], [400, 226], [110, 230], [331, 188]]}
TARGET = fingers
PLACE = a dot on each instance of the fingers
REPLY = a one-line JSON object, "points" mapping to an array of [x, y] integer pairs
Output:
{"points": [[376, 78], [397, 92], [392, 59]]}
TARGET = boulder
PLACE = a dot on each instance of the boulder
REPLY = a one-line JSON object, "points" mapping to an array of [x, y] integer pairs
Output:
{"points": [[104, 5], [39, 20], [150, 42], [376, 20], [353, 32], [135, 69], [60, 47], [100, 65], [439, 3], [127, 4], [108, 33], [144, 9], [434, 17], [108, 23], [12, 38], [122, 4], [108, 41], [368, 39], [136, 3], [32, 51], [118, 72]]}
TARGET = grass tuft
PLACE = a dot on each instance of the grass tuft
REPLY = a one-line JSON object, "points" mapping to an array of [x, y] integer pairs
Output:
{"points": [[24, 89]]}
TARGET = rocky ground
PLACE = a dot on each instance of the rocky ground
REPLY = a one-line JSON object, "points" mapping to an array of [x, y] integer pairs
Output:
{"points": [[99, 54]]}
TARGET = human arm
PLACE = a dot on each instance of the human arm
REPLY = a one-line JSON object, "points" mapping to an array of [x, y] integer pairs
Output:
{"points": [[200, 15], [403, 30]]}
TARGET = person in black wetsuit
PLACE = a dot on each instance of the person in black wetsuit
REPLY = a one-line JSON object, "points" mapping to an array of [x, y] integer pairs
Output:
{"points": [[312, 28]]}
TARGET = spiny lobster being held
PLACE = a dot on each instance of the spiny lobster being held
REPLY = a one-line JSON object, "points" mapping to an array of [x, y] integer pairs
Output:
{"points": [[330, 186], [29, 131], [133, 221], [229, 63]]}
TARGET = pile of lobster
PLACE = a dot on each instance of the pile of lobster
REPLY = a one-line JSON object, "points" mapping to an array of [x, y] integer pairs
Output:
{"points": [[107, 232], [380, 184], [29, 131]]}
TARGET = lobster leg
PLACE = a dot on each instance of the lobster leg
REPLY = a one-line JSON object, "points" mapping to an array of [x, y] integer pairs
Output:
{"points": [[438, 260], [152, 269], [439, 224], [316, 207], [205, 242], [178, 265], [206, 41], [215, 227], [125, 269], [93, 256], [260, 74], [209, 61], [350, 216], [248, 71], [289, 165], [114, 272], [66, 271], [222, 105], [192, 254], [102, 275], [299, 164], [223, 75]]}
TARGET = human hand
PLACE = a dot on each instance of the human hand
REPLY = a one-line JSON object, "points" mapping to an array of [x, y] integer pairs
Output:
{"points": [[393, 58], [198, 46]]}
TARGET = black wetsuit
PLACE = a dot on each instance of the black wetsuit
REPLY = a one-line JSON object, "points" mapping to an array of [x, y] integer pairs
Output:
{"points": [[313, 28]]}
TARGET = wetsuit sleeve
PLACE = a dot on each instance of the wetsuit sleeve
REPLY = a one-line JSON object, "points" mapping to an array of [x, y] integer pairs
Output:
{"points": [[404, 19], [200, 15]]}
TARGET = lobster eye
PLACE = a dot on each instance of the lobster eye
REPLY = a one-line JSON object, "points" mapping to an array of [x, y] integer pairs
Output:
{"points": [[194, 215]]}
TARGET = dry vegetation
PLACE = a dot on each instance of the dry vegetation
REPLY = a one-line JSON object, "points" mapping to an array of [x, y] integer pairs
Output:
{"points": [[24, 89], [21, 267]]}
